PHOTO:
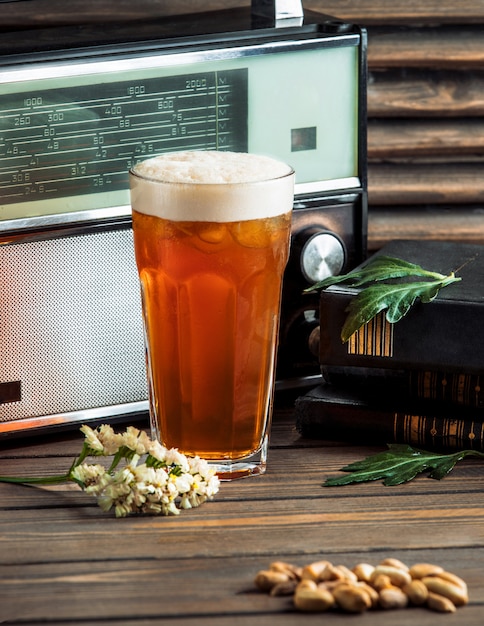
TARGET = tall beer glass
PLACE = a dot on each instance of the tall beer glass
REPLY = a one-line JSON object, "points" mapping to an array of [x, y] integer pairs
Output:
{"points": [[211, 234]]}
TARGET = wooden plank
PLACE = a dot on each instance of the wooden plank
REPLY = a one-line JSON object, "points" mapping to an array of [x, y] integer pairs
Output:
{"points": [[63, 561], [40, 503], [401, 11], [284, 510], [409, 93], [432, 47], [57, 12], [183, 589], [461, 223], [289, 618], [392, 139], [301, 483], [472, 617], [447, 183]]}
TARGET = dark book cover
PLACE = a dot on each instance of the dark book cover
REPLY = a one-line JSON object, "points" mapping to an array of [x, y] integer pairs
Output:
{"points": [[334, 414], [445, 334], [457, 388]]}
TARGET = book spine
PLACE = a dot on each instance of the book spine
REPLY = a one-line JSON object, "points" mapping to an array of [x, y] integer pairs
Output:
{"points": [[440, 335], [457, 388], [436, 432], [365, 425], [460, 389]]}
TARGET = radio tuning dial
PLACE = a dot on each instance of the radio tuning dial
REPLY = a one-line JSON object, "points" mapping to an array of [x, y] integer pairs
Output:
{"points": [[322, 255]]}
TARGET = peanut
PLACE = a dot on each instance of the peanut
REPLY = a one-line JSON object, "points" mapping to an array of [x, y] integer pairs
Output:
{"points": [[382, 581], [329, 584], [373, 593], [440, 603], [352, 598], [395, 563], [393, 598], [329, 572], [455, 593], [420, 570], [265, 580], [306, 583], [336, 572], [321, 586], [345, 573], [312, 600], [416, 591], [313, 571], [364, 571], [292, 571], [452, 578], [286, 588], [398, 577]]}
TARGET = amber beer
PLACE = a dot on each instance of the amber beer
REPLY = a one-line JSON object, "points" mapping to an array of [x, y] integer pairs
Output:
{"points": [[211, 233]]}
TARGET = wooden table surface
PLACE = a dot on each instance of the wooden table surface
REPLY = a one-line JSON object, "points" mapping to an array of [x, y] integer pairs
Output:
{"points": [[63, 561]]}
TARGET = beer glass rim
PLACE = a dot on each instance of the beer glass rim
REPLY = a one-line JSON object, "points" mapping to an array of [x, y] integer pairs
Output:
{"points": [[201, 183]]}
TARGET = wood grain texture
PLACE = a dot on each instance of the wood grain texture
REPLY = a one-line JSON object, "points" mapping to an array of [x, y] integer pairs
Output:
{"points": [[391, 140], [367, 12], [371, 12], [62, 560], [177, 589], [408, 93], [439, 223], [447, 47], [434, 183], [425, 133]]}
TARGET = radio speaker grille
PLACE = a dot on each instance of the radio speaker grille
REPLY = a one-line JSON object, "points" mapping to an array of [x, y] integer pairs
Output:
{"points": [[70, 324]]}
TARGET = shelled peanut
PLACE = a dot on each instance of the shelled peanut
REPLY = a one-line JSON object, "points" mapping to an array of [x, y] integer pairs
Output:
{"points": [[322, 586]]}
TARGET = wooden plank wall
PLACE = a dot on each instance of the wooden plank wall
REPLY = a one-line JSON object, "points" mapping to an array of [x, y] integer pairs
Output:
{"points": [[425, 116], [425, 101]]}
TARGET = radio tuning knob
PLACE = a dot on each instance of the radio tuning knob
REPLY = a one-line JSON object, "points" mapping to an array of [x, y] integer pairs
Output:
{"points": [[322, 255]]}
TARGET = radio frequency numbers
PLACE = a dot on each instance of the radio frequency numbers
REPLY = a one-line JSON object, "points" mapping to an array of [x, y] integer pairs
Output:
{"points": [[77, 140]]}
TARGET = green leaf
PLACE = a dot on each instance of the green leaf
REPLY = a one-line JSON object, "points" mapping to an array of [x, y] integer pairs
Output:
{"points": [[379, 268], [378, 295], [397, 298], [400, 464]]}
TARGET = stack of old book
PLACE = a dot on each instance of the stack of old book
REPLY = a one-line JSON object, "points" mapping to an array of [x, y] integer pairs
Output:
{"points": [[419, 381]]}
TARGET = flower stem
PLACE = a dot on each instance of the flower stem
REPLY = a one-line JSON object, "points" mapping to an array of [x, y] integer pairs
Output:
{"points": [[36, 480]]}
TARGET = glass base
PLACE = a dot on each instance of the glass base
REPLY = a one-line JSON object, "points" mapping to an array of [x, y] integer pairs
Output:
{"points": [[253, 465], [233, 471]]}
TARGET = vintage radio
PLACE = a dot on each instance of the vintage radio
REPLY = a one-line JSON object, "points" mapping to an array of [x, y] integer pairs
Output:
{"points": [[79, 106]]}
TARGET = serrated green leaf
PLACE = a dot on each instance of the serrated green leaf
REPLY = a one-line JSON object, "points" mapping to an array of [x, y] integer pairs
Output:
{"points": [[396, 298], [400, 464], [379, 268], [447, 464], [384, 267]]}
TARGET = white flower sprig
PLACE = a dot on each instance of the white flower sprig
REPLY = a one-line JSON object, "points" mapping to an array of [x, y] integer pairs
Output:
{"points": [[163, 484]]}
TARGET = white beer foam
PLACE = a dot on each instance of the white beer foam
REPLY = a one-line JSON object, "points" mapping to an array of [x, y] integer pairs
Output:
{"points": [[212, 186]]}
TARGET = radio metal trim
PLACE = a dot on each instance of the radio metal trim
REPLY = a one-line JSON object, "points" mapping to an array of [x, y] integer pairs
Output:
{"points": [[236, 36]]}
